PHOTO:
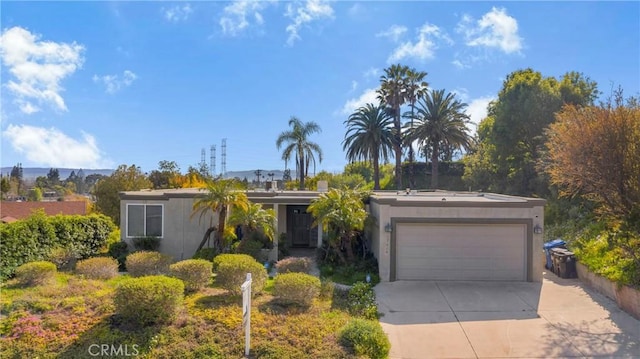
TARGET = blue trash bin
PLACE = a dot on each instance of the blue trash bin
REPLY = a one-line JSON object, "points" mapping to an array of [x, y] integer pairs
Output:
{"points": [[556, 243]]}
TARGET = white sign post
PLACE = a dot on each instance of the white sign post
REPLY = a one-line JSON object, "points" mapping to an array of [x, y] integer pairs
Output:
{"points": [[246, 313]]}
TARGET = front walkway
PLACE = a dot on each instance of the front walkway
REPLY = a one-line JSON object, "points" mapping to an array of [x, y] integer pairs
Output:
{"points": [[554, 319]]}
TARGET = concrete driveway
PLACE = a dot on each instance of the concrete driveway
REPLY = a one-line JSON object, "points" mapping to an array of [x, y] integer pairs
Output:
{"points": [[558, 318]]}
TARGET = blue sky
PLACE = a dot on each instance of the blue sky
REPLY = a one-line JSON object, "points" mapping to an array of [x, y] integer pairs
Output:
{"points": [[98, 84]]}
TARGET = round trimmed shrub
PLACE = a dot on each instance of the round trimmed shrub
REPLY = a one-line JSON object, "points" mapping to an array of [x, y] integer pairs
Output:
{"points": [[98, 268], [227, 256], [147, 263], [232, 271], [294, 265], [149, 300], [365, 338], [36, 273], [195, 273], [296, 288], [63, 257]]}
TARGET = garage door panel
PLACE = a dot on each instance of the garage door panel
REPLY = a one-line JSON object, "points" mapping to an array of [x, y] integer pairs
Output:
{"points": [[460, 252]]}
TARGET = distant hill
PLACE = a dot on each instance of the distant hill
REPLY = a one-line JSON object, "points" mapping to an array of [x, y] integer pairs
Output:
{"points": [[31, 173]]}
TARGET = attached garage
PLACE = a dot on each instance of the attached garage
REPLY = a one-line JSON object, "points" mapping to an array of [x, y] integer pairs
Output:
{"points": [[461, 251]]}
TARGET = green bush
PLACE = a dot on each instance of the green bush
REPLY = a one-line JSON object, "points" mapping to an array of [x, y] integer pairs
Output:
{"points": [[232, 271], [145, 263], [36, 273], [206, 253], [149, 243], [250, 247], [32, 239], [362, 301], [327, 288], [98, 268], [297, 288], [63, 257], [294, 265], [149, 300], [227, 257], [195, 273], [275, 350], [119, 251], [365, 338]]}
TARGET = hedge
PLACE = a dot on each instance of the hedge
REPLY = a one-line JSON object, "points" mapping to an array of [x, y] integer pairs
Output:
{"points": [[32, 239]]}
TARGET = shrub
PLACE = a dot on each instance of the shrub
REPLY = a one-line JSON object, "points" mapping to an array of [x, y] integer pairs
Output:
{"points": [[63, 257], [362, 301], [232, 271], [297, 288], [149, 300], [119, 251], [293, 264], [227, 257], [206, 253], [327, 288], [195, 273], [98, 268], [250, 247], [366, 338], [36, 273], [147, 263], [149, 243]]}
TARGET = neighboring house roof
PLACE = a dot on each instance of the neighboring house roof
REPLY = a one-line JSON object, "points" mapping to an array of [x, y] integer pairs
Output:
{"points": [[12, 211]]}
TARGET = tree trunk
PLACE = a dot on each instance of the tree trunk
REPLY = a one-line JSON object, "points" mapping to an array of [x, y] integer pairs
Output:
{"points": [[376, 172], [302, 167], [206, 236], [434, 165], [349, 247], [222, 218], [398, 148], [411, 154]]}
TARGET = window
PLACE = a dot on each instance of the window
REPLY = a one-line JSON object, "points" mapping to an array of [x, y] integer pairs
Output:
{"points": [[144, 220]]}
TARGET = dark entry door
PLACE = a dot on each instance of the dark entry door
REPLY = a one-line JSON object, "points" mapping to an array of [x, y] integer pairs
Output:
{"points": [[300, 226]]}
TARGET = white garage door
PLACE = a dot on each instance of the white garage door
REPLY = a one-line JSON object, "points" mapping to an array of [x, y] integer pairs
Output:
{"points": [[461, 251]]}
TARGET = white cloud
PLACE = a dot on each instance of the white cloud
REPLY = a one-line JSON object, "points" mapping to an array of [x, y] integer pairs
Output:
{"points": [[394, 33], [355, 10], [177, 13], [495, 29], [477, 110], [310, 11], [238, 14], [372, 72], [428, 38], [367, 96], [354, 85], [52, 148], [460, 65], [37, 67], [115, 83]]}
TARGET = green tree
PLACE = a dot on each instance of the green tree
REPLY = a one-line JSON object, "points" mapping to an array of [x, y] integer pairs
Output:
{"points": [[220, 196], [5, 186], [17, 176], [298, 144], [342, 214], [165, 175], [35, 194], [362, 168], [53, 176], [439, 121], [107, 190], [511, 138], [369, 137], [416, 88], [393, 93], [254, 218]]}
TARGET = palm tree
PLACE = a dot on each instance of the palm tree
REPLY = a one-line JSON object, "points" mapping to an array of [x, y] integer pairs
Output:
{"points": [[342, 214], [393, 93], [416, 88], [439, 120], [254, 218], [221, 196], [369, 137], [297, 140]]}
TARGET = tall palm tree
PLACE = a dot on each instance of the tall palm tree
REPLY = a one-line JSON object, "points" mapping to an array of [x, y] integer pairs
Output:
{"points": [[297, 142], [439, 120], [369, 137], [393, 93], [254, 218], [416, 88], [221, 196]]}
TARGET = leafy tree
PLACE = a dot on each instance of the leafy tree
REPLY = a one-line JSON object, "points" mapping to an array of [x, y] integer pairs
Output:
{"points": [[165, 176], [439, 121], [298, 144], [5, 186], [221, 196], [393, 93], [339, 180], [35, 194], [594, 152], [17, 176], [416, 88], [511, 138], [254, 218], [53, 176], [342, 214], [107, 190], [369, 137]]}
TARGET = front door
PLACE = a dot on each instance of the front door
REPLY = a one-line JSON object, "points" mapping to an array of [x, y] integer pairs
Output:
{"points": [[300, 226]]}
